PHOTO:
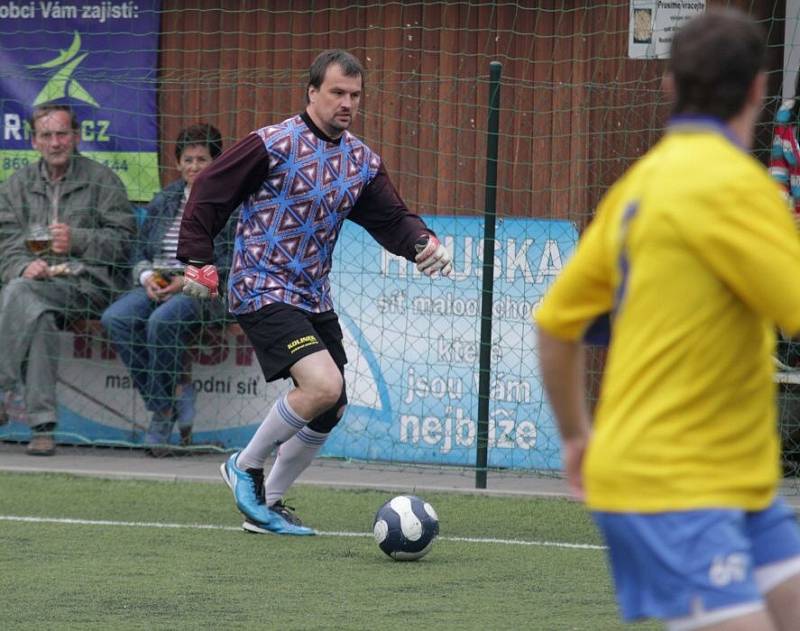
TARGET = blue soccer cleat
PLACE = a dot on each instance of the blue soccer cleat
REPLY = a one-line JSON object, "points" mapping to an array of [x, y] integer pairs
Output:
{"points": [[248, 490], [284, 522]]}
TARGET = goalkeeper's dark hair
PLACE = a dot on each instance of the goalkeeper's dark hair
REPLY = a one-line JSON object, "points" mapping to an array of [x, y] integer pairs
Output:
{"points": [[350, 65], [714, 59], [201, 134]]}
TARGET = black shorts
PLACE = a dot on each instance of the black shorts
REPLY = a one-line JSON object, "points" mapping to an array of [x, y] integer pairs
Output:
{"points": [[281, 335]]}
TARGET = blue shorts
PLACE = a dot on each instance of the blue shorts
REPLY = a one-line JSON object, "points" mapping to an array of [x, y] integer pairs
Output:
{"points": [[673, 564]]}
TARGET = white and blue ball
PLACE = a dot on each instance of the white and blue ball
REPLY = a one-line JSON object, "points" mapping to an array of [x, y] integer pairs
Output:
{"points": [[405, 527]]}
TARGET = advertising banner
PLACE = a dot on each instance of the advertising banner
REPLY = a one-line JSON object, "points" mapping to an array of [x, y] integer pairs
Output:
{"points": [[413, 345], [98, 57], [413, 382]]}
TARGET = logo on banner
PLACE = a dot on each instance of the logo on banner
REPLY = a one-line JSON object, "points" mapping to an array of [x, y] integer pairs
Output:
{"points": [[100, 59], [62, 84]]}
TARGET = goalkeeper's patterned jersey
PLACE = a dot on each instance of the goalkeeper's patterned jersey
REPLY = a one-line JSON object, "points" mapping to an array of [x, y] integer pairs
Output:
{"points": [[695, 255], [288, 230], [295, 187]]}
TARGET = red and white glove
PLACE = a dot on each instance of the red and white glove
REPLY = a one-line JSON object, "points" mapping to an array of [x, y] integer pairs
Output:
{"points": [[201, 282], [432, 256]]}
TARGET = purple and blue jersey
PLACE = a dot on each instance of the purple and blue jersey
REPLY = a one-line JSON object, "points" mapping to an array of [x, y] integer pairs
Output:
{"points": [[295, 187]]}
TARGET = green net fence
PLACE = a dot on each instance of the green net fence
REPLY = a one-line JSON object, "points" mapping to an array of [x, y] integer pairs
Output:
{"points": [[580, 100]]}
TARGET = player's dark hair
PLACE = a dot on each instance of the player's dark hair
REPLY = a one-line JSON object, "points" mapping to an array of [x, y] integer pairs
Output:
{"points": [[350, 65], [40, 111], [201, 134], [714, 59]]}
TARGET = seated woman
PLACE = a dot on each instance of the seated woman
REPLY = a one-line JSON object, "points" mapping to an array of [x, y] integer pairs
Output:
{"points": [[151, 325]]}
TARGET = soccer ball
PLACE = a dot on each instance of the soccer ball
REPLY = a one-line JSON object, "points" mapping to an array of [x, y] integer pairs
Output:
{"points": [[405, 527]]}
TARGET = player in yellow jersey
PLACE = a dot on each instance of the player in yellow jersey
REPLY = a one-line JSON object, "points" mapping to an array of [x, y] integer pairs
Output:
{"points": [[694, 259]]}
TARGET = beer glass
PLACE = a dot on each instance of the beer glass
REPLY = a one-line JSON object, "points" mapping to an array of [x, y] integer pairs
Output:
{"points": [[38, 239], [164, 270]]}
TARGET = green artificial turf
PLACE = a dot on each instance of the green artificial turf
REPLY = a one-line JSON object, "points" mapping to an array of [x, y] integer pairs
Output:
{"points": [[139, 572]]}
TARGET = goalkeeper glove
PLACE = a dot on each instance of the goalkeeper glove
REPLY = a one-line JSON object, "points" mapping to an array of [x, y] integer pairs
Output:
{"points": [[432, 256], [201, 282]]}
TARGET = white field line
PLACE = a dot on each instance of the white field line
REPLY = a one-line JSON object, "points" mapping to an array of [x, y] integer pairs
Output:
{"points": [[146, 524]]}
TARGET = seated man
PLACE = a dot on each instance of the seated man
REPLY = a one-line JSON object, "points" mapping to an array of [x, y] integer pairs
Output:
{"points": [[151, 325], [65, 221]]}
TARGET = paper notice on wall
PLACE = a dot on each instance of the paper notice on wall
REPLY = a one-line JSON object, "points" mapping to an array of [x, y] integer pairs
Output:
{"points": [[653, 24]]}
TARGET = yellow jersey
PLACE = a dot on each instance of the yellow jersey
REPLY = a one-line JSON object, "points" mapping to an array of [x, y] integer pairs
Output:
{"points": [[695, 254]]}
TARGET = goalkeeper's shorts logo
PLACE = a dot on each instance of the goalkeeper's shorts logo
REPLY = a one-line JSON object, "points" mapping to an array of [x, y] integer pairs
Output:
{"points": [[301, 343]]}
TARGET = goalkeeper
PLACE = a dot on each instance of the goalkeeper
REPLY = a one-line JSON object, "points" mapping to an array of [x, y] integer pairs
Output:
{"points": [[695, 254], [296, 181]]}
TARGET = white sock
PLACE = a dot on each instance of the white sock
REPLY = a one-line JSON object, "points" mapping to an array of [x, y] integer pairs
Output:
{"points": [[293, 458], [279, 426]]}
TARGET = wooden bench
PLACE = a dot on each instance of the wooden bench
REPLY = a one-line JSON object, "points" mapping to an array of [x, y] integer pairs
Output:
{"points": [[788, 376], [207, 348]]}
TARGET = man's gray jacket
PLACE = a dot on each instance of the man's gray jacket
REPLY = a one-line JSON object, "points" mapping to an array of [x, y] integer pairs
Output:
{"points": [[92, 200]]}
